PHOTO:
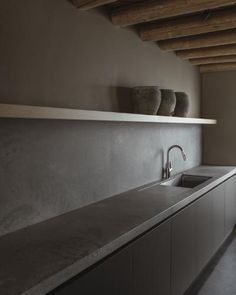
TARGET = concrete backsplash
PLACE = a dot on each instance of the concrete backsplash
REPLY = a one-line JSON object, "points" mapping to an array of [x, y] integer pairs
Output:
{"points": [[51, 167], [54, 55]]}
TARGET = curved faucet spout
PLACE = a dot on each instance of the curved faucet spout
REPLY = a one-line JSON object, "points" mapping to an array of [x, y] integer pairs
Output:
{"points": [[169, 168], [178, 147]]}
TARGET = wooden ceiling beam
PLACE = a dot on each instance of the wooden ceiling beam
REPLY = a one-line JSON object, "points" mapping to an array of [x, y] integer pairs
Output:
{"points": [[88, 4], [190, 25], [199, 41], [213, 60], [218, 67], [153, 10], [207, 52]]}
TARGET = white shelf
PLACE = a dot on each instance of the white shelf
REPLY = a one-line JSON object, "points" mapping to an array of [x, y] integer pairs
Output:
{"points": [[35, 112]]}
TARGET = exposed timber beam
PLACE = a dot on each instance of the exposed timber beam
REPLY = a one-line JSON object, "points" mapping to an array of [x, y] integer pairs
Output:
{"points": [[218, 67], [88, 4], [153, 10], [207, 52], [190, 25], [213, 60], [199, 41]]}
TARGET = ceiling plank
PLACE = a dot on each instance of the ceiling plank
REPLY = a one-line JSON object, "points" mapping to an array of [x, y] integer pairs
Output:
{"points": [[88, 4], [199, 41], [190, 25], [213, 60], [152, 10], [218, 67], [207, 52]]}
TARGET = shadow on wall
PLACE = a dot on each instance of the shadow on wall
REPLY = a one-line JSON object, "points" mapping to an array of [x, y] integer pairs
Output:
{"points": [[122, 99], [110, 99], [160, 154], [103, 98]]}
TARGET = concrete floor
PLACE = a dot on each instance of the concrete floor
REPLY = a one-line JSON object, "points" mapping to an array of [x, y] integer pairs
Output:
{"points": [[219, 277]]}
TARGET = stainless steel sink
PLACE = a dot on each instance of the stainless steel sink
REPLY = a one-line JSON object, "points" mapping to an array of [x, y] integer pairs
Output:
{"points": [[185, 180]]}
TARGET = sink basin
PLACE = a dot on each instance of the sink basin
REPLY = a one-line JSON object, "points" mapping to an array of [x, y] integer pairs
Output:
{"points": [[185, 180]]}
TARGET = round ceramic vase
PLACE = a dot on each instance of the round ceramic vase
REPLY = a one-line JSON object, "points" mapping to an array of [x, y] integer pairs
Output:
{"points": [[182, 104], [168, 102], [146, 99]]}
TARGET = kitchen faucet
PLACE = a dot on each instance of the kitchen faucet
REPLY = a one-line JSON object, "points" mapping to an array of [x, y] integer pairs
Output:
{"points": [[168, 167]]}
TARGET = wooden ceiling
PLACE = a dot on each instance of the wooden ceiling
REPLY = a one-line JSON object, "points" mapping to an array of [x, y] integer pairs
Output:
{"points": [[201, 31]]}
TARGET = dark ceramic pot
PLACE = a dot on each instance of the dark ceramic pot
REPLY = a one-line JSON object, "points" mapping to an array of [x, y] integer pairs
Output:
{"points": [[182, 104], [146, 99], [168, 102]]}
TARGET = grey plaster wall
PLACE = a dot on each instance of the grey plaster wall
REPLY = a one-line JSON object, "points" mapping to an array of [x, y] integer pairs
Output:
{"points": [[53, 55], [219, 101]]}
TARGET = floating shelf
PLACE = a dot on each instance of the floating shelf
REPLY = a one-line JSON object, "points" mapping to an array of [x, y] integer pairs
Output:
{"points": [[35, 112]]}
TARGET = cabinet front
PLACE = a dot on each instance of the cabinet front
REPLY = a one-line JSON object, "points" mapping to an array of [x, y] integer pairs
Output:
{"points": [[184, 267], [151, 262], [218, 215], [197, 233], [230, 204]]}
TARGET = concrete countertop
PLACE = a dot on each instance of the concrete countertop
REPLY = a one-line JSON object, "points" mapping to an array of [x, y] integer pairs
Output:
{"points": [[39, 258]]}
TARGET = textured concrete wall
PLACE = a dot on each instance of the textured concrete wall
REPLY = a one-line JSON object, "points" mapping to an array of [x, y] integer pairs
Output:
{"points": [[48, 168], [54, 55], [219, 101]]}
